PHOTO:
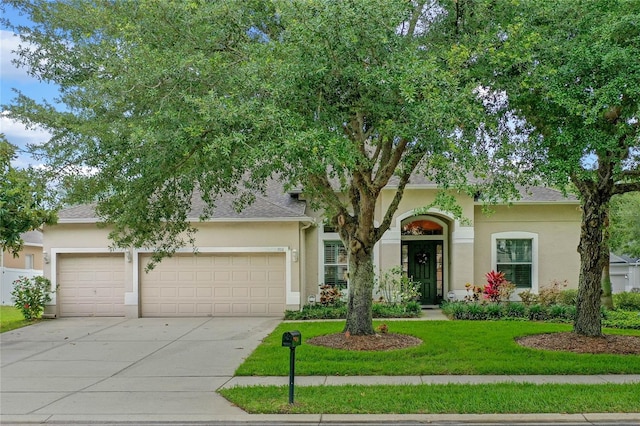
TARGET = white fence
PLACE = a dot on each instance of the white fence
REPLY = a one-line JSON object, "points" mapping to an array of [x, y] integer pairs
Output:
{"points": [[8, 276]]}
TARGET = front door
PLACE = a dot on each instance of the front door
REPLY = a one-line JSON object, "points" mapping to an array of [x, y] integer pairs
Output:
{"points": [[422, 268]]}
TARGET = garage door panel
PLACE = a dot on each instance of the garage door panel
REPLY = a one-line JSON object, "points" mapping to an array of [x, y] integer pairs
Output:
{"points": [[225, 285], [90, 284]]}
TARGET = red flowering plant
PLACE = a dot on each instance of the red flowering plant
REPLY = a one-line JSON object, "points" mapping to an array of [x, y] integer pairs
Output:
{"points": [[497, 288]]}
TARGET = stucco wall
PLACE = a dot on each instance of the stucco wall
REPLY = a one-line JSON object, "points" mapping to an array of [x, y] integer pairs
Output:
{"points": [[558, 229], [65, 238], [19, 262]]}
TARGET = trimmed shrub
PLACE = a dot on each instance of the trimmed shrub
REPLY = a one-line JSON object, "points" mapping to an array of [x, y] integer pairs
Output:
{"points": [[494, 311], [562, 313], [475, 311], [380, 310], [627, 301], [516, 310], [538, 312], [622, 319]]}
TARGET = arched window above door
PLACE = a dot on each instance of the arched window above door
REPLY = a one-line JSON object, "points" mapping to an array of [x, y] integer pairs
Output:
{"points": [[422, 227]]}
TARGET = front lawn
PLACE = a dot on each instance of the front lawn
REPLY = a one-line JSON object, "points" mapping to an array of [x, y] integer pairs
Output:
{"points": [[440, 399], [11, 318], [449, 347]]}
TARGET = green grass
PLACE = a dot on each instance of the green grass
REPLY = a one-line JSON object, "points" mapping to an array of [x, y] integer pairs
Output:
{"points": [[440, 399], [449, 347], [11, 318]]}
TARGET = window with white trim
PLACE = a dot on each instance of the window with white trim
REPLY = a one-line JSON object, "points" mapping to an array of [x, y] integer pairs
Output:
{"points": [[516, 254], [28, 261], [335, 264]]}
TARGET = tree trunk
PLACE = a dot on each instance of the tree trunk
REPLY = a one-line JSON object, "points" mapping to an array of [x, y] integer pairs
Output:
{"points": [[588, 321], [361, 280], [606, 299]]}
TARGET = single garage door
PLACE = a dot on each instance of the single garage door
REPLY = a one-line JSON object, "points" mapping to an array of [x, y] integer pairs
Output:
{"points": [[90, 285], [188, 285]]}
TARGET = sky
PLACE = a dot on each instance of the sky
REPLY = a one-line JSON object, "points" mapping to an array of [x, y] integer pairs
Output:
{"points": [[12, 77]]}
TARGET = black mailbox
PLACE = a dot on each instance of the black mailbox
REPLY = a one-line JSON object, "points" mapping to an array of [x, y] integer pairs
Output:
{"points": [[291, 339]]}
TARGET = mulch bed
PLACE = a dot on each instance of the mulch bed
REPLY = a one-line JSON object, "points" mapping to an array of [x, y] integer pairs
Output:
{"points": [[572, 342], [375, 342]]}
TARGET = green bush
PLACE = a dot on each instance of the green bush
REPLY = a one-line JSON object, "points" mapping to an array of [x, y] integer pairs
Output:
{"points": [[475, 311], [538, 312], [494, 311], [408, 310], [516, 310], [339, 311], [627, 301], [31, 295], [562, 313], [622, 319], [454, 310], [568, 297]]}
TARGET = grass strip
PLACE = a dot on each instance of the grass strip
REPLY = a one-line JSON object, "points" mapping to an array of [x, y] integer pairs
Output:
{"points": [[449, 347], [439, 399], [11, 318]]}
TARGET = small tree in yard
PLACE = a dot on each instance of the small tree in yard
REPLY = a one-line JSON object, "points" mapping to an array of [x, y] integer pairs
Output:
{"points": [[168, 99]]}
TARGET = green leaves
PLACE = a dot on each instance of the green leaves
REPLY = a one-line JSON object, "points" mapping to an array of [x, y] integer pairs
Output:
{"points": [[22, 201]]}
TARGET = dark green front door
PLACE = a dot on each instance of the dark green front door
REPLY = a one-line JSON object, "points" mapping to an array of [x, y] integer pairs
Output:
{"points": [[422, 268]]}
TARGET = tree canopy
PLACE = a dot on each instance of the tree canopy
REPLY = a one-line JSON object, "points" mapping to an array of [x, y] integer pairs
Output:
{"points": [[168, 99], [23, 205], [571, 69]]}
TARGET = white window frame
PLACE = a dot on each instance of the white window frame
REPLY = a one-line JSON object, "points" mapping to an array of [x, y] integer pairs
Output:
{"points": [[29, 261], [518, 235], [325, 264]]}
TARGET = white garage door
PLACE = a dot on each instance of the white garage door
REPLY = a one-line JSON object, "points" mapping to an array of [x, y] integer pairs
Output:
{"points": [[90, 285], [243, 284]]}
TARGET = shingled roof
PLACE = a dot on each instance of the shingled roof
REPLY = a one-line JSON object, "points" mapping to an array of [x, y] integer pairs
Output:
{"points": [[274, 204], [531, 194]]}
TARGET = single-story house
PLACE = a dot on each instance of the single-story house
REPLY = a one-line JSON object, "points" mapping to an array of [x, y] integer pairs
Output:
{"points": [[28, 263], [624, 272], [276, 253]]}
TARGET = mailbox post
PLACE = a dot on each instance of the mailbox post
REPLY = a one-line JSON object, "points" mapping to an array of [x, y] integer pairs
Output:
{"points": [[291, 340]]}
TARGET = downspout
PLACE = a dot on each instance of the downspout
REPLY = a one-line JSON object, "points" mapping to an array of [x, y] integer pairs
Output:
{"points": [[303, 262]]}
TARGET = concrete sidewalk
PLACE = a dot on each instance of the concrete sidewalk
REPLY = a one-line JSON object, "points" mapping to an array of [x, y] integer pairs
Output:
{"points": [[166, 371]]}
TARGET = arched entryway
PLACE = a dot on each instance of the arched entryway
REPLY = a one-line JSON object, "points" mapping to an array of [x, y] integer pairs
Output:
{"points": [[424, 255]]}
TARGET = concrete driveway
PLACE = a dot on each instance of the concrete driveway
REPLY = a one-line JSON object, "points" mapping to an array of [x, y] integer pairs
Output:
{"points": [[117, 369]]}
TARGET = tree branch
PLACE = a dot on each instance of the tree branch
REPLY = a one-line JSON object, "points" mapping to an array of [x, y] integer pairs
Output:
{"points": [[404, 180], [388, 167], [623, 188]]}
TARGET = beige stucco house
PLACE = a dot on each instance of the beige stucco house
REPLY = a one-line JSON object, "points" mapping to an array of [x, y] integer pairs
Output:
{"points": [[274, 255]]}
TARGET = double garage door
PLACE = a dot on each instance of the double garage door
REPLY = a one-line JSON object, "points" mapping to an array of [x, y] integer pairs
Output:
{"points": [[187, 285]]}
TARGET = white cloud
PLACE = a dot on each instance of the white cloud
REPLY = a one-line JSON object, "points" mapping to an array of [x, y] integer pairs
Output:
{"points": [[9, 42], [17, 134]]}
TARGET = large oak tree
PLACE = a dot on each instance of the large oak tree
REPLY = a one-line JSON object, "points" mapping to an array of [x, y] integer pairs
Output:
{"points": [[341, 98], [572, 70]]}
